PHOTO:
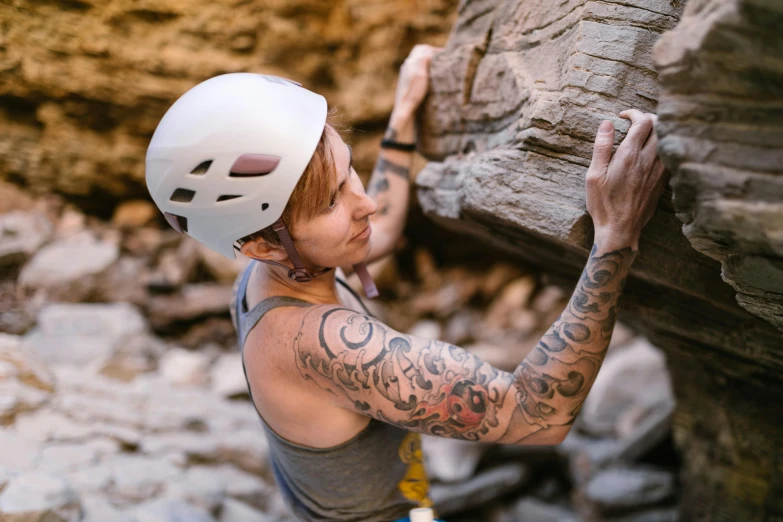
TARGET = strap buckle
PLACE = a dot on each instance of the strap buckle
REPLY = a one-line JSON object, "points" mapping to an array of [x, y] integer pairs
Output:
{"points": [[301, 275]]}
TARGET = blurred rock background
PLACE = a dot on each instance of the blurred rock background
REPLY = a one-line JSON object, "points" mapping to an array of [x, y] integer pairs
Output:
{"points": [[123, 396], [122, 391]]}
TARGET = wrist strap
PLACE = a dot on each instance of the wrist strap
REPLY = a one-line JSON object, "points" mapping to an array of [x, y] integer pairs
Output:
{"points": [[396, 145]]}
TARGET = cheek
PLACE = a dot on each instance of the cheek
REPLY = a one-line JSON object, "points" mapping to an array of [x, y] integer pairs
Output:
{"points": [[334, 229], [342, 224]]}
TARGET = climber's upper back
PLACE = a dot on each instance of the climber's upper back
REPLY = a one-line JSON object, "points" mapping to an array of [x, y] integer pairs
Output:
{"points": [[289, 404]]}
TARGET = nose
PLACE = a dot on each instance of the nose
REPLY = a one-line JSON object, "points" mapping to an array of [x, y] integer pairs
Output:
{"points": [[365, 206]]}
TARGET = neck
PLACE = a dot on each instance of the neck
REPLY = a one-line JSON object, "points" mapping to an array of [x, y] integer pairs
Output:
{"points": [[275, 280]]}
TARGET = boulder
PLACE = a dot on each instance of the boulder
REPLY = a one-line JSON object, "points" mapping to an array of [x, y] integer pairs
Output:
{"points": [[222, 269], [175, 266], [69, 269], [18, 453], [722, 138], [98, 509], [132, 214], [618, 490], [481, 489], [236, 511], [40, 496], [191, 302], [720, 130], [21, 234], [120, 283], [451, 460], [78, 334], [227, 377], [427, 329], [508, 128], [630, 383], [531, 509], [25, 381], [199, 486], [185, 368], [169, 509]]}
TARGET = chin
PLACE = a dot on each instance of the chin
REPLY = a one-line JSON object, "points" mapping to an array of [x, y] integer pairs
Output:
{"points": [[359, 254], [349, 257]]}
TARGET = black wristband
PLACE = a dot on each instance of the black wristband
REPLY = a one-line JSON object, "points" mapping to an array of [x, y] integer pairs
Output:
{"points": [[396, 145]]}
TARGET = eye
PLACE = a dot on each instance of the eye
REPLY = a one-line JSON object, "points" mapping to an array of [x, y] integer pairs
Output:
{"points": [[333, 202]]}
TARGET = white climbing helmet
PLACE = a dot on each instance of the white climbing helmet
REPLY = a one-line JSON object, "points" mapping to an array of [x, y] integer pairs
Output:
{"points": [[227, 155]]}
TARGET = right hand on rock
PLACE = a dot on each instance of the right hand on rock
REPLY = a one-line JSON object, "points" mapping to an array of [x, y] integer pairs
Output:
{"points": [[413, 82], [623, 190]]}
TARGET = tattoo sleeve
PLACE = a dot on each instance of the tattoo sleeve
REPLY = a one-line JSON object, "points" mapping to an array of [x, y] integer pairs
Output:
{"points": [[440, 389], [378, 187], [556, 376], [421, 385]]}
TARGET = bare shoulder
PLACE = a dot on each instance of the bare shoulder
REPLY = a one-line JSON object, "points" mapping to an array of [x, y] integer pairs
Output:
{"points": [[290, 404]]}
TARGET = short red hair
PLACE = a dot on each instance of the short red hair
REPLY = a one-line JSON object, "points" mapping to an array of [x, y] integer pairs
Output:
{"points": [[313, 191]]}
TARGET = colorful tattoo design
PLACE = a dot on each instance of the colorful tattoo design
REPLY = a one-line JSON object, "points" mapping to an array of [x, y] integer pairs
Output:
{"points": [[437, 388]]}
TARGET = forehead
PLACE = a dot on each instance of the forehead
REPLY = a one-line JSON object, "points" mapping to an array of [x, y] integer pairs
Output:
{"points": [[340, 151]]}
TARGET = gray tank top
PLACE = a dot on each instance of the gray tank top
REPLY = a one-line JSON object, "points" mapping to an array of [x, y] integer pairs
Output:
{"points": [[376, 476]]}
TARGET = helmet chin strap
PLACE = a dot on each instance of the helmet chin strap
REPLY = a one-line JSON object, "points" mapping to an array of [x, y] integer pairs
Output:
{"points": [[304, 275]]}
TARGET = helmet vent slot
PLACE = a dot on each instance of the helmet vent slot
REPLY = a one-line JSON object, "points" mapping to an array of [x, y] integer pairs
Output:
{"points": [[202, 168], [178, 223], [182, 195], [234, 174], [264, 206], [226, 197], [253, 165]]}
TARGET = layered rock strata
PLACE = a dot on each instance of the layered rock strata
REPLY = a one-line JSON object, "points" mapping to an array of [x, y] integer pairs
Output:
{"points": [[721, 110], [84, 83], [516, 100]]}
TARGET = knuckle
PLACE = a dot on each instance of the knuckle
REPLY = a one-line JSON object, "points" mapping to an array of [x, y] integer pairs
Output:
{"points": [[603, 142], [602, 149], [644, 121], [647, 165], [624, 158]]}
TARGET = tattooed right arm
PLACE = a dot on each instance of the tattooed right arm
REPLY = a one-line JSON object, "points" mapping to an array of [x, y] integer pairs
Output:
{"points": [[440, 389]]}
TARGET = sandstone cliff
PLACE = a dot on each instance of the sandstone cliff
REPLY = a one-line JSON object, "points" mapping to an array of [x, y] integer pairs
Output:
{"points": [[84, 83], [517, 98]]}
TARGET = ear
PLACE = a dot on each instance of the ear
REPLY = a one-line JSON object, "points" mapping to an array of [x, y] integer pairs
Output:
{"points": [[263, 251]]}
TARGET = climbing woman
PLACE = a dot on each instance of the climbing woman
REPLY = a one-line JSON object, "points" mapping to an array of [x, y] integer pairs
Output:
{"points": [[251, 163]]}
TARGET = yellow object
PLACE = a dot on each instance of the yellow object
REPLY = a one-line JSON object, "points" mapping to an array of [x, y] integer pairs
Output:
{"points": [[414, 485]]}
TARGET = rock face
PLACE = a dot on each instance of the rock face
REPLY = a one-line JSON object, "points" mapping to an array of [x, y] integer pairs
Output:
{"points": [[721, 114], [721, 109], [516, 100], [85, 83]]}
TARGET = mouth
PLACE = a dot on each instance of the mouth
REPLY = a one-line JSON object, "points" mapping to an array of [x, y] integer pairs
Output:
{"points": [[364, 234]]}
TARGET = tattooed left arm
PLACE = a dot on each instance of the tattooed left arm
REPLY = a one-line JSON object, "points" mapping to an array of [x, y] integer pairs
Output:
{"points": [[556, 376]]}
